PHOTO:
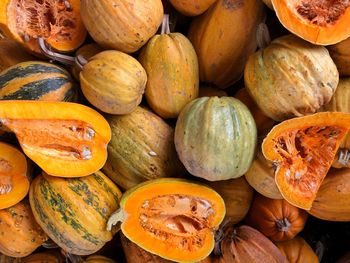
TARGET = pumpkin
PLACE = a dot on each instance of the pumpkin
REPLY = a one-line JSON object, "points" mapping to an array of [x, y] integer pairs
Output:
{"points": [[14, 183], [142, 148], [341, 102], [35, 80], [333, 198], [98, 259], [319, 22], [67, 140], [113, 81], [44, 257], [209, 91], [123, 26], [172, 218], [340, 54], [276, 219], [290, 77], [12, 53], [58, 23], [261, 176], [74, 211], [6, 259], [297, 250], [263, 123], [20, 235], [238, 196], [303, 150], [216, 138], [246, 244], [172, 70], [191, 7], [222, 49], [268, 3]]}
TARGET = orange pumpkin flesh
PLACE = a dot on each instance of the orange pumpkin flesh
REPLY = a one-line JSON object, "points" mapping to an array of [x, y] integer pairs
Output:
{"points": [[303, 150], [64, 139], [321, 22], [14, 184], [57, 21]]}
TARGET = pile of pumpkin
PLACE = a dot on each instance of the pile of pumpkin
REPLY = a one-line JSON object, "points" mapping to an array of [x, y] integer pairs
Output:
{"points": [[146, 135]]}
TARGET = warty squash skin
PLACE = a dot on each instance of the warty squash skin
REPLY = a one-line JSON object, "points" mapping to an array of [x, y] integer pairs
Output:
{"points": [[340, 54], [191, 7], [124, 25], [74, 212], [291, 77], [172, 70], [224, 37], [216, 138]]}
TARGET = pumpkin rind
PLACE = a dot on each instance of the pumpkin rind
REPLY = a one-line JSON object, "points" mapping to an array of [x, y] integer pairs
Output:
{"points": [[276, 219], [124, 26], [142, 148], [172, 70], [340, 54], [222, 50], [74, 211], [20, 235], [191, 7], [290, 77], [216, 138], [113, 81]]}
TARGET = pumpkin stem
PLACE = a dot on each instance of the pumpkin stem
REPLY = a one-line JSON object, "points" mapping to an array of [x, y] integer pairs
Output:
{"points": [[165, 25], [117, 216], [219, 236], [263, 38], [320, 249], [50, 244], [5, 184], [67, 60], [344, 157], [283, 225]]}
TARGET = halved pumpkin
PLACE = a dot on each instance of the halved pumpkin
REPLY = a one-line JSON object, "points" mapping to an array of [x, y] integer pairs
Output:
{"points": [[172, 218], [58, 22], [303, 150], [14, 183], [322, 22], [64, 139]]}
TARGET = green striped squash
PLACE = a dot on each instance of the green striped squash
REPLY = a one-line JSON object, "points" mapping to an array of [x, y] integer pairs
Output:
{"points": [[74, 211], [216, 138], [35, 80]]}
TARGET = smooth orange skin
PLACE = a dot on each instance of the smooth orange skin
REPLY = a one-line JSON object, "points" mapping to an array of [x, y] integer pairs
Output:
{"points": [[192, 7], [12, 53]]}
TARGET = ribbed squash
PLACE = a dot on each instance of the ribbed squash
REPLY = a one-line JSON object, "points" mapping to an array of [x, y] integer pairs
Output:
{"points": [[12, 53], [238, 196], [14, 183], [74, 211], [290, 77], [20, 235], [216, 138], [333, 198], [125, 26], [340, 54], [172, 70], [303, 150], [142, 148], [57, 22], [35, 80], [44, 257], [317, 21], [172, 218], [191, 7], [209, 91], [222, 48], [297, 250], [261, 176], [64, 139], [113, 81], [276, 219]]}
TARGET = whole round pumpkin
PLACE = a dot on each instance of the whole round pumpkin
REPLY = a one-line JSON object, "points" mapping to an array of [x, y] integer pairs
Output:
{"points": [[51, 256], [113, 81], [191, 7], [122, 25], [74, 211], [276, 219], [216, 138], [340, 54], [291, 77]]}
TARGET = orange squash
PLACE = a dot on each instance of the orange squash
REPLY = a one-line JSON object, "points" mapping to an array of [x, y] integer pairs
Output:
{"points": [[303, 150], [98, 259], [209, 91], [57, 22], [340, 54], [276, 219], [222, 49], [191, 7], [6, 259], [297, 250], [14, 183], [44, 257], [124, 26], [319, 22], [64, 139]]}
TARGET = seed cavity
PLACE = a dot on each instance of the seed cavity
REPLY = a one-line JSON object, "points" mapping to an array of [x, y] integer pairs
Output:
{"points": [[5, 184]]}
